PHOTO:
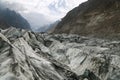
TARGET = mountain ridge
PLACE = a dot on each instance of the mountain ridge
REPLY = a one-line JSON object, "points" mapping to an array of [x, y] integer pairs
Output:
{"points": [[10, 18]]}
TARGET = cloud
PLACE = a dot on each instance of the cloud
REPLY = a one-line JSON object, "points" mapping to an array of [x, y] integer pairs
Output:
{"points": [[13, 6]]}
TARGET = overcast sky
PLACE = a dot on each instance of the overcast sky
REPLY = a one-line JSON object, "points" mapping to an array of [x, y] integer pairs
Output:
{"points": [[42, 12]]}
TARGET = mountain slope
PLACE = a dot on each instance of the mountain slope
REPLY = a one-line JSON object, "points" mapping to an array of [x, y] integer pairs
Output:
{"points": [[95, 17], [25, 55], [10, 18]]}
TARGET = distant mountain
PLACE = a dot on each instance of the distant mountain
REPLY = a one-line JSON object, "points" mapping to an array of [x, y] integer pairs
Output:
{"points": [[52, 27], [99, 18], [10, 18], [42, 29], [57, 5], [47, 28]]}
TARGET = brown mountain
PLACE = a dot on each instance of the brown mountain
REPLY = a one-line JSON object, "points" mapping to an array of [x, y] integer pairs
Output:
{"points": [[99, 18]]}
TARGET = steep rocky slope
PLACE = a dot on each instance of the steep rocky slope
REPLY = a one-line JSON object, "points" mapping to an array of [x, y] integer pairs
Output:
{"points": [[10, 18], [95, 17], [25, 55]]}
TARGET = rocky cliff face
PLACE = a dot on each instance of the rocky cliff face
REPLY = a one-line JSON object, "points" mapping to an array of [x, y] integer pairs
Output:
{"points": [[95, 17], [25, 55], [10, 18]]}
